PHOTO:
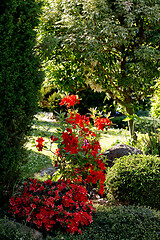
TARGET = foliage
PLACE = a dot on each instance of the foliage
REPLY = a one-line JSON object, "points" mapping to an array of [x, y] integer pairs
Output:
{"points": [[51, 97], [79, 152], [10, 230], [155, 101], [147, 124], [151, 142], [118, 122], [110, 45], [91, 99], [20, 80], [49, 205], [135, 179], [120, 222]]}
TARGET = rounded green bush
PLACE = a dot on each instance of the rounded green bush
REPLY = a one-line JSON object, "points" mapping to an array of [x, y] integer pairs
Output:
{"points": [[135, 179], [119, 222]]}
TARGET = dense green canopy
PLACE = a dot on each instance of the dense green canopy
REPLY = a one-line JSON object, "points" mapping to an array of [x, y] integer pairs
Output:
{"points": [[113, 46]]}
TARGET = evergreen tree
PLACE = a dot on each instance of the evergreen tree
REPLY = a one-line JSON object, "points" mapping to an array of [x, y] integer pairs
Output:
{"points": [[20, 81]]}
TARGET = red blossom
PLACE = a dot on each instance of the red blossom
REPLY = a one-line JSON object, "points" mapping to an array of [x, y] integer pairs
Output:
{"points": [[69, 101], [66, 205], [57, 151], [101, 123], [70, 142], [40, 143]]}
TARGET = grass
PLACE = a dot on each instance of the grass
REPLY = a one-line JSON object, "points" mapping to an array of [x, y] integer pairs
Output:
{"points": [[114, 136], [38, 160]]}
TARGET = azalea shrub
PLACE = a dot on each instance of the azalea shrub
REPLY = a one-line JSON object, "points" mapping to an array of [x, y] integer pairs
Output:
{"points": [[49, 205], [78, 153]]}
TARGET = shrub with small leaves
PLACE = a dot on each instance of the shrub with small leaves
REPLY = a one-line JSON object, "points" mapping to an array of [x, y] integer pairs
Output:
{"points": [[119, 222], [135, 179], [10, 230]]}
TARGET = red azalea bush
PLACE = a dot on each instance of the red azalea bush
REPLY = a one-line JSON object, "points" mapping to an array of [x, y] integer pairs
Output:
{"points": [[79, 152], [48, 204]]}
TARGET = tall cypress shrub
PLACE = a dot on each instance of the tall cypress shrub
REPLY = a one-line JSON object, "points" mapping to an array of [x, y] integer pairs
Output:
{"points": [[20, 81]]}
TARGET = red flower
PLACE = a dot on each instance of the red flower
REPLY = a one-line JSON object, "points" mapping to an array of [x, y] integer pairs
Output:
{"points": [[40, 143], [70, 142], [57, 151], [100, 123], [62, 203], [69, 101]]}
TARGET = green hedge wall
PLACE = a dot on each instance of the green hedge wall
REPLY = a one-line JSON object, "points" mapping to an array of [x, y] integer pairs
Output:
{"points": [[20, 81]]}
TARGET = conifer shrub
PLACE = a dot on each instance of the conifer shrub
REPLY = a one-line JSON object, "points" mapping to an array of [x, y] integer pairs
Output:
{"points": [[50, 98], [20, 81], [135, 179]]}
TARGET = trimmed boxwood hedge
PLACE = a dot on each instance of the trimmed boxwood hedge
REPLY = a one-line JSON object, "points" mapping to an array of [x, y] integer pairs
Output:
{"points": [[120, 222], [135, 179], [110, 222]]}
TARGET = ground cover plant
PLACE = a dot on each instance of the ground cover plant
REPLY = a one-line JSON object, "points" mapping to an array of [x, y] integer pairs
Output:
{"points": [[120, 222]]}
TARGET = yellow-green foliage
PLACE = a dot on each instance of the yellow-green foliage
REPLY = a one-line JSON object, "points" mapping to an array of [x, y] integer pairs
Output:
{"points": [[155, 101]]}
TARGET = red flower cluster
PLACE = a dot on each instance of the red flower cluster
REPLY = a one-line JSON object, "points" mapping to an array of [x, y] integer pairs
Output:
{"points": [[40, 143], [78, 120], [48, 203], [101, 123], [95, 176], [70, 141], [91, 174], [69, 101]]}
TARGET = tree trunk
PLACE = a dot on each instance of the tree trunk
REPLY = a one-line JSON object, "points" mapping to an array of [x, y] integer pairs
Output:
{"points": [[133, 135]]}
